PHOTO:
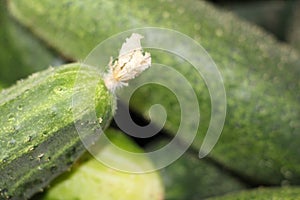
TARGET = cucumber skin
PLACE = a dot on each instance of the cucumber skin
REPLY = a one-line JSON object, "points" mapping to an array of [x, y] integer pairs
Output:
{"points": [[261, 76], [38, 137]]}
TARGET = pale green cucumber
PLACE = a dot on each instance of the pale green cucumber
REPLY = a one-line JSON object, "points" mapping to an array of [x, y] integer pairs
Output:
{"points": [[284, 193], [90, 179], [38, 138], [260, 138], [21, 54]]}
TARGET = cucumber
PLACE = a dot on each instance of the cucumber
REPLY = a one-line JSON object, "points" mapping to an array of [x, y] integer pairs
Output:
{"points": [[286, 193], [260, 138], [21, 54], [90, 179], [38, 138]]}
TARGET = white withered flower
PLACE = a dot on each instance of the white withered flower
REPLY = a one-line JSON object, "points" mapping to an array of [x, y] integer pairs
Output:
{"points": [[131, 62]]}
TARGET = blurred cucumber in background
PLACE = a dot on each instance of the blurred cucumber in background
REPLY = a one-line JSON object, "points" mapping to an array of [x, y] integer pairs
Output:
{"points": [[42, 33], [21, 53]]}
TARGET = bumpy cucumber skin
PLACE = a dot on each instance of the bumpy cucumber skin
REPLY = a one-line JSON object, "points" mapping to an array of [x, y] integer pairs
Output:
{"points": [[90, 179], [260, 139], [38, 138], [286, 193]]}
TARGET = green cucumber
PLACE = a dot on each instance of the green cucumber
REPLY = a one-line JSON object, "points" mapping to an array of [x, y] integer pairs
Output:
{"points": [[90, 179], [21, 54], [38, 138], [286, 193], [260, 138]]}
